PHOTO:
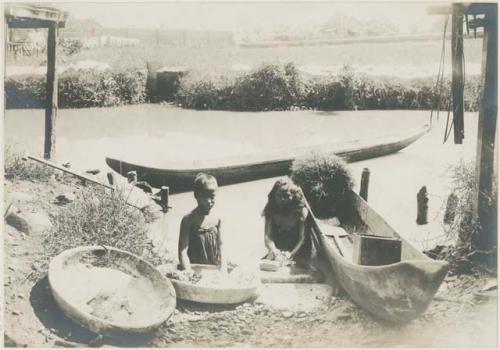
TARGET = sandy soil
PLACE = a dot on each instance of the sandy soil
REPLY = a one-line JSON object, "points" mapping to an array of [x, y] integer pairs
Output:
{"points": [[461, 316]]}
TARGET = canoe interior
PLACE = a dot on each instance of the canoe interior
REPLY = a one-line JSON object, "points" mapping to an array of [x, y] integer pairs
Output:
{"points": [[397, 292]]}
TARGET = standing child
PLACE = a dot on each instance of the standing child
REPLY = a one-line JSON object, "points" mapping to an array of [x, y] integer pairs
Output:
{"points": [[200, 239]]}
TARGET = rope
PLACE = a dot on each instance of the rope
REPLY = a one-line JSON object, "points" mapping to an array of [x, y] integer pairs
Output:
{"points": [[447, 131], [440, 75]]}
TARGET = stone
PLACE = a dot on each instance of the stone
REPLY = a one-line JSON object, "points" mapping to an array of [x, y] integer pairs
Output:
{"points": [[287, 314], [93, 171], [39, 221], [65, 198], [17, 220]]}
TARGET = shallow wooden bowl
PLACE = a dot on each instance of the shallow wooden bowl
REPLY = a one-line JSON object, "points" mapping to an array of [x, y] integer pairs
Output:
{"points": [[110, 291], [210, 294]]}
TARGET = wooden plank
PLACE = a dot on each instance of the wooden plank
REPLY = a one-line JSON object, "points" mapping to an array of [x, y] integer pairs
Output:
{"points": [[457, 51], [66, 170], [31, 23], [51, 89], [43, 13], [484, 204]]}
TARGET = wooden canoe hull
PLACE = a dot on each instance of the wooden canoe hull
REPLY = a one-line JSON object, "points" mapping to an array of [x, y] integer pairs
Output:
{"points": [[395, 293], [255, 167]]}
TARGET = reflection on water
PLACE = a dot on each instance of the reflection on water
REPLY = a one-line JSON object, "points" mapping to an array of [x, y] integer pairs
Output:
{"points": [[159, 134]]}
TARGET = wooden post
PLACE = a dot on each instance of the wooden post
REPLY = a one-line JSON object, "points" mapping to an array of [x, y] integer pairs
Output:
{"points": [[484, 204], [422, 206], [164, 194], [457, 49], [111, 178], [132, 177], [51, 90], [365, 180]]}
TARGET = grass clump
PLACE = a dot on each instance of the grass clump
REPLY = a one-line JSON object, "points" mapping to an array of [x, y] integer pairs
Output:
{"points": [[463, 229], [100, 217], [16, 168], [326, 182]]}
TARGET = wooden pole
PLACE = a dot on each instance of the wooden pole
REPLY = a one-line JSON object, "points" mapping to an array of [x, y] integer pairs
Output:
{"points": [[51, 89], [457, 50], [422, 206], [365, 180], [485, 205], [164, 194], [66, 170]]}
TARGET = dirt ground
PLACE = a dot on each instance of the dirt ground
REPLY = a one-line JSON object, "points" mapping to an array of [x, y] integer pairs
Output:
{"points": [[462, 315]]}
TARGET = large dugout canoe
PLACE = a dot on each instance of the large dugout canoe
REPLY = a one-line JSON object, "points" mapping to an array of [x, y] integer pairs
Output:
{"points": [[179, 177], [397, 292]]}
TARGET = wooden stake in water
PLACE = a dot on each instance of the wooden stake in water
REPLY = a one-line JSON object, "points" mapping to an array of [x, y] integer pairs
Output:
{"points": [[365, 180], [164, 194], [422, 200]]}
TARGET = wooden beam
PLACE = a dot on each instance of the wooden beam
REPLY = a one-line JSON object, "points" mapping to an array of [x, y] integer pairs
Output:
{"points": [[457, 51], [485, 205], [31, 23], [51, 89], [23, 10]]}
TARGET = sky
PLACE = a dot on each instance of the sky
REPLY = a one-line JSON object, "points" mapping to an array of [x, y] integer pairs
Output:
{"points": [[240, 15]]}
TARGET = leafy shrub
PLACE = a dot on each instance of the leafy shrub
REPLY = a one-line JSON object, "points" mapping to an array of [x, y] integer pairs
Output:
{"points": [[17, 168], [100, 217], [25, 92], [79, 89], [270, 87], [89, 88], [70, 46], [326, 182], [131, 86]]}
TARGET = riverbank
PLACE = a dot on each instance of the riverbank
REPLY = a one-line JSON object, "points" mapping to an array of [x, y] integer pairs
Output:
{"points": [[462, 315]]}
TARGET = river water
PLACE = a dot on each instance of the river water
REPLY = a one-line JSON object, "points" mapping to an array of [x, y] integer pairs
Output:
{"points": [[160, 134]]}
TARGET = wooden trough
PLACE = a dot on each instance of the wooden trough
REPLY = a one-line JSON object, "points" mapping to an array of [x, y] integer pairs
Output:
{"points": [[110, 291]]}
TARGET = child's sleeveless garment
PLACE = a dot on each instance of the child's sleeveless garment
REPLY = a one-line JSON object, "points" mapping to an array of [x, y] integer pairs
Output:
{"points": [[204, 246]]}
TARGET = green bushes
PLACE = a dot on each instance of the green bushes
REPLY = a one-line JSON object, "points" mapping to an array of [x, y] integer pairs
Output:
{"points": [[70, 46], [269, 87], [272, 87], [326, 182], [79, 89]]}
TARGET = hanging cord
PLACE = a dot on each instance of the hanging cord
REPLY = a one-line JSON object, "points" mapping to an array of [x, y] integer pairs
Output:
{"points": [[447, 131], [440, 75]]}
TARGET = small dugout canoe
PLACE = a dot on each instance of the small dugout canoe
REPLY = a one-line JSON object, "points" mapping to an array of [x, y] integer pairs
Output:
{"points": [[179, 177], [397, 292]]}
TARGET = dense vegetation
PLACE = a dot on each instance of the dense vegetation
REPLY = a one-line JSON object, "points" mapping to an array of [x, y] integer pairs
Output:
{"points": [[269, 87], [78, 89]]}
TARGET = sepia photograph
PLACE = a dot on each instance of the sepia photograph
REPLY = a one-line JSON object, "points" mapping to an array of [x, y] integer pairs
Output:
{"points": [[250, 174]]}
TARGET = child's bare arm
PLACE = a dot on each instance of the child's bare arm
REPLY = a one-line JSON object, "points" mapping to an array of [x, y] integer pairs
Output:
{"points": [[184, 243], [268, 240]]}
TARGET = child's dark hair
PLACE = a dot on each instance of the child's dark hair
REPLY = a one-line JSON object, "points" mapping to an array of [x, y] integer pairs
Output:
{"points": [[296, 204], [202, 181]]}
